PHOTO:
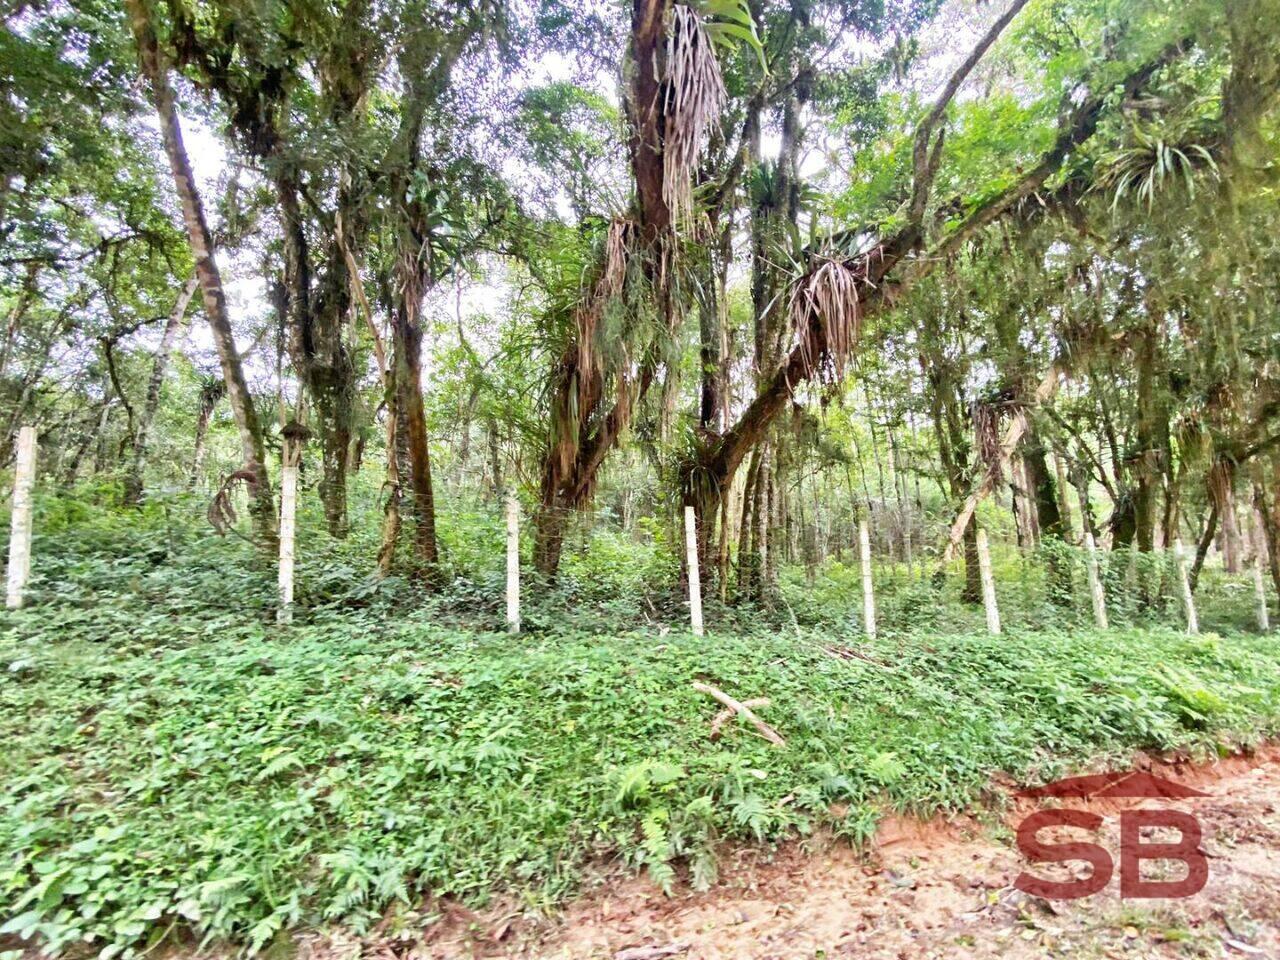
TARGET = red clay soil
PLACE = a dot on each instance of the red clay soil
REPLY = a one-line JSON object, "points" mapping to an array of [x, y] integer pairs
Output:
{"points": [[939, 889]]}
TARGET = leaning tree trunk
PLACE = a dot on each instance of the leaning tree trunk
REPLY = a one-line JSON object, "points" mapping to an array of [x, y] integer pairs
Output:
{"points": [[589, 420], [253, 449], [210, 394], [133, 479], [1202, 546], [868, 271]]}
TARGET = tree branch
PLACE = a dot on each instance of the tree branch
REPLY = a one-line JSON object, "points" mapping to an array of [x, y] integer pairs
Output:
{"points": [[925, 162]]}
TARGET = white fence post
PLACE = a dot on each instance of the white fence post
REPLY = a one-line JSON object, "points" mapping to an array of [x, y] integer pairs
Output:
{"points": [[290, 456], [1096, 593], [868, 585], [1260, 588], [20, 524], [513, 564], [1188, 600], [695, 582], [1259, 577], [988, 584]]}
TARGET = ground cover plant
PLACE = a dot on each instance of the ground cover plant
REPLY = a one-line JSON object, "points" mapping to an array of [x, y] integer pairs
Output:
{"points": [[378, 381], [175, 765]]}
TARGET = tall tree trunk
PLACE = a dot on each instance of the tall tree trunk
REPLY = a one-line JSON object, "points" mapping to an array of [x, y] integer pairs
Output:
{"points": [[159, 366], [712, 342], [210, 394], [1145, 459], [1021, 506], [253, 450], [72, 469], [495, 454], [954, 453], [761, 514], [900, 493], [972, 592], [875, 454], [1268, 509], [100, 452], [407, 347], [335, 460], [1046, 498], [1232, 545], [1042, 487], [1060, 485], [391, 512], [748, 552], [318, 333], [776, 523], [1080, 479]]}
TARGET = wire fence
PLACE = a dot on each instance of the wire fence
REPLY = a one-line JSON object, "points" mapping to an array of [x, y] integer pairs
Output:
{"points": [[616, 568]]}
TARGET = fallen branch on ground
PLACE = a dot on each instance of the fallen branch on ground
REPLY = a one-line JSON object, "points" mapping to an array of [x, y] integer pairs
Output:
{"points": [[651, 953], [850, 653], [743, 710], [727, 714]]}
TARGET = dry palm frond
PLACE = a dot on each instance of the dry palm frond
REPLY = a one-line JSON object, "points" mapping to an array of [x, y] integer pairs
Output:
{"points": [[586, 319], [610, 281], [693, 97], [1194, 443], [825, 313], [618, 243], [1220, 480], [986, 430]]}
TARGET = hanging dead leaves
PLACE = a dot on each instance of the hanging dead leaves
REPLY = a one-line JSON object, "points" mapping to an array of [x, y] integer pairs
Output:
{"points": [[826, 313], [620, 245], [693, 97]]}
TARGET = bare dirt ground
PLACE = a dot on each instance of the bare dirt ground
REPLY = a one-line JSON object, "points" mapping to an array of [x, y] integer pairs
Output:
{"points": [[926, 890]]}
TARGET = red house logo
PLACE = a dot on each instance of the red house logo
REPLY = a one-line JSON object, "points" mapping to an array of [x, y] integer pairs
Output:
{"points": [[1131, 784]]}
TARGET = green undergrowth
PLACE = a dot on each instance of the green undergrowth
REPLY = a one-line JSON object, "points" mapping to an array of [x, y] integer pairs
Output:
{"points": [[238, 781], [177, 765]]}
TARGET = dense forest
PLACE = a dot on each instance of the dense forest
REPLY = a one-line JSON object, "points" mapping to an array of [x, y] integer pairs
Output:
{"points": [[924, 312]]}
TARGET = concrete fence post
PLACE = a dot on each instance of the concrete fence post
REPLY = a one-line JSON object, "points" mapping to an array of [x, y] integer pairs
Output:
{"points": [[513, 564], [695, 581], [868, 584], [1184, 582], [988, 584], [290, 458], [1097, 595], [24, 476]]}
